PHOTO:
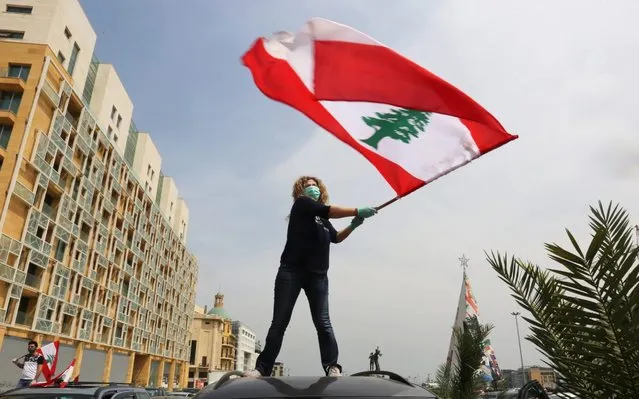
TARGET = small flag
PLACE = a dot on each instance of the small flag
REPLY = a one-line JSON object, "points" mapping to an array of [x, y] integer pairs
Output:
{"points": [[61, 379], [411, 125]]}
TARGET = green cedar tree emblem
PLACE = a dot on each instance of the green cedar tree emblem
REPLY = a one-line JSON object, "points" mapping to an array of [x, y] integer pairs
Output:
{"points": [[398, 124]]}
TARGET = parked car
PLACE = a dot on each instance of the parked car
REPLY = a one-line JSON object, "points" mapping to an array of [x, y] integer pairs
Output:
{"points": [[80, 390]]}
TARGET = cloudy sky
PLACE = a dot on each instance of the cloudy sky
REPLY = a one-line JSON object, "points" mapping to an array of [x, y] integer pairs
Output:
{"points": [[560, 74]]}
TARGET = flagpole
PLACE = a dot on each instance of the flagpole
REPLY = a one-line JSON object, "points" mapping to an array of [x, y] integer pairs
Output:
{"points": [[385, 204]]}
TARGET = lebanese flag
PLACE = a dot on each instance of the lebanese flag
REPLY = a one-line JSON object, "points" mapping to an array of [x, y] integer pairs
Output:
{"points": [[50, 354], [411, 125], [62, 379]]}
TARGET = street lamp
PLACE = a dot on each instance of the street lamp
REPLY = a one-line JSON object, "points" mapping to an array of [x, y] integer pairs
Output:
{"points": [[521, 356]]}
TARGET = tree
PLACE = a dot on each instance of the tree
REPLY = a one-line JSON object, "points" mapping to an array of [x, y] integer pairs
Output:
{"points": [[584, 313], [462, 381], [398, 124]]}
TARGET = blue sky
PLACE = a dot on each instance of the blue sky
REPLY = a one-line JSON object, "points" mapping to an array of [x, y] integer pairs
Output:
{"points": [[562, 76]]}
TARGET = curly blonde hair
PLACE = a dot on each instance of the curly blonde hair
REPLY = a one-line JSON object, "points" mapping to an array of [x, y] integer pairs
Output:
{"points": [[298, 188]]}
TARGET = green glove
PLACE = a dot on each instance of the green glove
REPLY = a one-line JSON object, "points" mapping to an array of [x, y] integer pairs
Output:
{"points": [[356, 222], [366, 212]]}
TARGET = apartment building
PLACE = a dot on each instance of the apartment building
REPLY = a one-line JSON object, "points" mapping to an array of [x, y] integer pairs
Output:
{"points": [[278, 369], [92, 234], [245, 356]]}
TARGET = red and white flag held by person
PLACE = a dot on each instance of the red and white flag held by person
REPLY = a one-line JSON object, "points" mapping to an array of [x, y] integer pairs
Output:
{"points": [[61, 380], [50, 354], [413, 126]]}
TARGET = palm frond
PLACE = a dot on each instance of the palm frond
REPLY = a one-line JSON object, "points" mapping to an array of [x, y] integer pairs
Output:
{"points": [[470, 351], [584, 314]]}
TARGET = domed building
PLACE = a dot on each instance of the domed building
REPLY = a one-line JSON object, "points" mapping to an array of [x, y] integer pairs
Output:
{"points": [[212, 343]]}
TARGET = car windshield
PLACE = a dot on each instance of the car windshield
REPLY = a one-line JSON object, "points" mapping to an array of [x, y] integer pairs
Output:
{"points": [[39, 395]]}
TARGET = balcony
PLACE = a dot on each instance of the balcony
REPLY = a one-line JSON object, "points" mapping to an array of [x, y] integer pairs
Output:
{"points": [[50, 94], [24, 319], [10, 82], [32, 280]]}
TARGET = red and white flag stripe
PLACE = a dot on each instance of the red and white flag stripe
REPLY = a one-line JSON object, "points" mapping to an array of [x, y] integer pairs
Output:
{"points": [[410, 124]]}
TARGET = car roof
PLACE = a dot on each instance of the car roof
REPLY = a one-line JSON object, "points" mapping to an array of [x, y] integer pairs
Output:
{"points": [[51, 390], [289, 387], [78, 389]]}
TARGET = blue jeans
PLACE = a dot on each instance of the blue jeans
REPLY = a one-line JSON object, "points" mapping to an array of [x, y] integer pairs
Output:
{"points": [[23, 383], [288, 284]]}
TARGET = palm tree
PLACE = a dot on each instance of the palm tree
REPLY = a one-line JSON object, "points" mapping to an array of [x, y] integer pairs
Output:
{"points": [[462, 380], [584, 312]]}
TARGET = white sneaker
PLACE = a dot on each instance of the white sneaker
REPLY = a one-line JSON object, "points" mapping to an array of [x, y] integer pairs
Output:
{"points": [[333, 371], [253, 374]]}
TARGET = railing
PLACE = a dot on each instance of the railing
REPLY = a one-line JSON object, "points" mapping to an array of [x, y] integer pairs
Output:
{"points": [[50, 92], [13, 104], [6, 73], [24, 319], [48, 210], [24, 193], [72, 120], [32, 280]]}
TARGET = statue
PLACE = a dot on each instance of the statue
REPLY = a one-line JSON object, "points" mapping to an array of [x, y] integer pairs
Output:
{"points": [[374, 360]]}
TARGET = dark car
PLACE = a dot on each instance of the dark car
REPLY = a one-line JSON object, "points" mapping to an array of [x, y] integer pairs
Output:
{"points": [[361, 385], [79, 391]]}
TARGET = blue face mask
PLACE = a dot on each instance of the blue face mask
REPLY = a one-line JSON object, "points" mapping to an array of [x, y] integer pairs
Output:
{"points": [[313, 192]]}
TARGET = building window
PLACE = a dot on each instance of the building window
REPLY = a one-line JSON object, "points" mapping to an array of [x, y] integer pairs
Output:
{"points": [[109, 132], [11, 34], [10, 101], [67, 33], [74, 58], [113, 112], [19, 9], [19, 71], [119, 121], [5, 135], [61, 57]]}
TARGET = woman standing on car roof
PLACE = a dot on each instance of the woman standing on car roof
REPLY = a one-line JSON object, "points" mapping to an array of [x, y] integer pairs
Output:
{"points": [[304, 265]]}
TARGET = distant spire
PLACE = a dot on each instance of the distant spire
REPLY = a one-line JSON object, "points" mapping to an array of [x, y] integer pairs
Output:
{"points": [[463, 261]]}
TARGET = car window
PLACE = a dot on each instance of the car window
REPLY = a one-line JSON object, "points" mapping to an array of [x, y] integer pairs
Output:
{"points": [[142, 395], [124, 395]]}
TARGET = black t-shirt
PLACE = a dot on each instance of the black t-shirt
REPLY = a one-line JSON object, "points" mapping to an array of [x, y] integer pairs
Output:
{"points": [[309, 236]]}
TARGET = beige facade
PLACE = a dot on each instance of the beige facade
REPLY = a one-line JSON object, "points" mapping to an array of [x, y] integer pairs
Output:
{"points": [[87, 256], [212, 342], [147, 163], [112, 107], [61, 24], [545, 375]]}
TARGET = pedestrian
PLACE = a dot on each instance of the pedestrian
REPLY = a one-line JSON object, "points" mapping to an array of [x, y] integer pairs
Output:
{"points": [[304, 266], [31, 366]]}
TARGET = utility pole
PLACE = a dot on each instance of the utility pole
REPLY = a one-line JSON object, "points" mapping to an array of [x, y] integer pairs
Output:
{"points": [[521, 356]]}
